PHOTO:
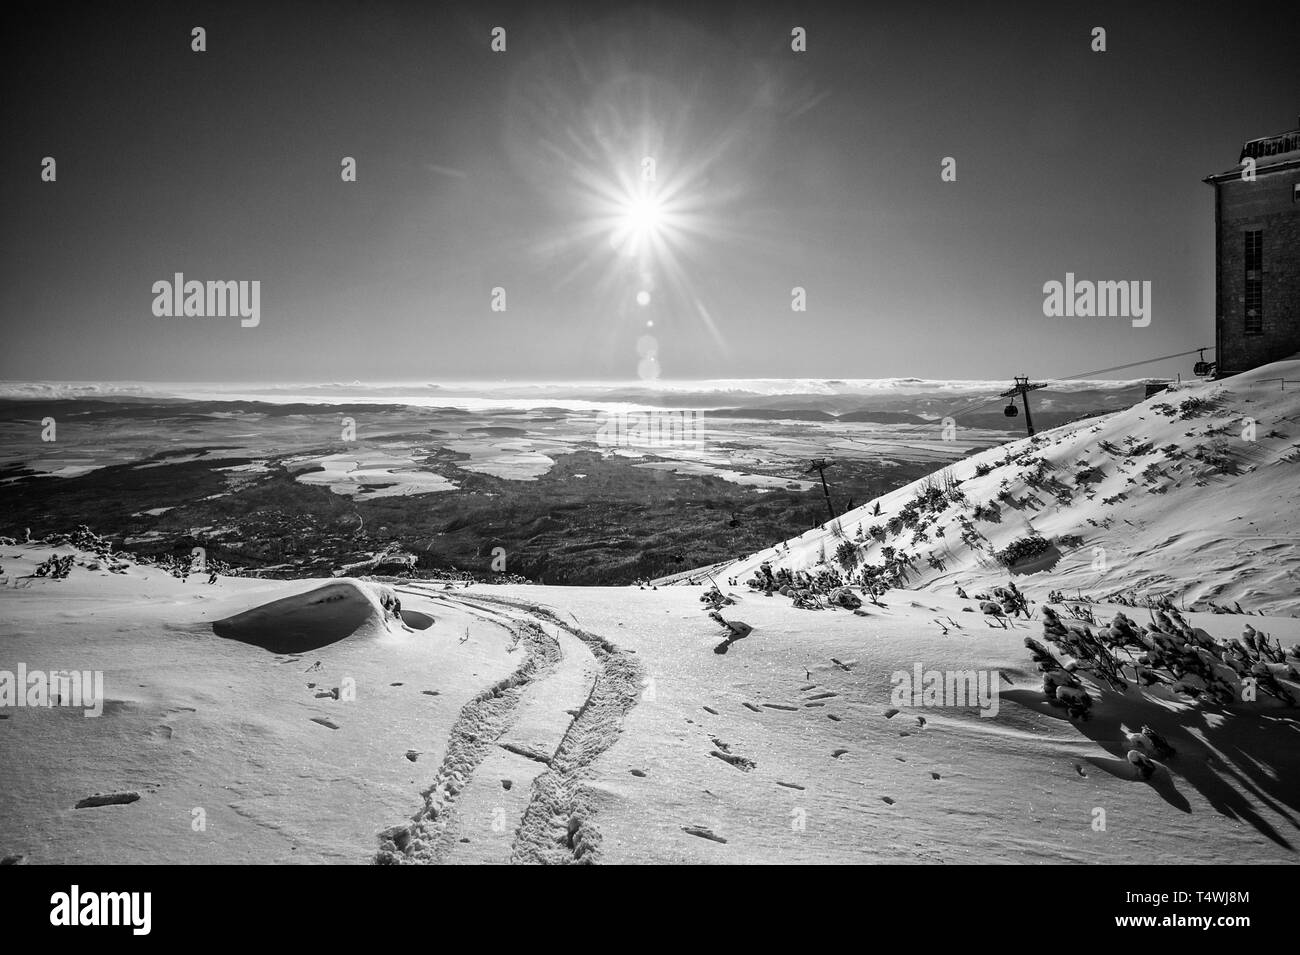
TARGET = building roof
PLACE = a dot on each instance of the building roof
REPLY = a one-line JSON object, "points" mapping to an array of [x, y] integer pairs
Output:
{"points": [[1271, 154], [1270, 148]]}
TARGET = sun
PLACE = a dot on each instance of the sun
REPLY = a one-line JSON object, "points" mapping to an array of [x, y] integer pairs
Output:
{"points": [[643, 216], [640, 223]]}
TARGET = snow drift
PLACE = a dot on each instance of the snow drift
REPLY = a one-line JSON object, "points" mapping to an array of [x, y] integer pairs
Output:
{"points": [[321, 617]]}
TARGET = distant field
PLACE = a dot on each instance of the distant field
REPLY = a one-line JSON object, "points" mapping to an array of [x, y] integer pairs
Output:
{"points": [[292, 489]]}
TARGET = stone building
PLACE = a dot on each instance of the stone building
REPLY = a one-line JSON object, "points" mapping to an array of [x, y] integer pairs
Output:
{"points": [[1257, 255]]}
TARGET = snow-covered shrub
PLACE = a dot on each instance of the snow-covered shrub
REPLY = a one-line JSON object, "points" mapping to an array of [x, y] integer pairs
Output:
{"points": [[1022, 549], [56, 567], [969, 535], [1172, 653], [1061, 687], [1088, 474], [847, 556], [1217, 455]]}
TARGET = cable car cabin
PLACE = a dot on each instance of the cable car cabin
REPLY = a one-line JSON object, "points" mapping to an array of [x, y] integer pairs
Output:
{"points": [[1010, 410], [1202, 368]]}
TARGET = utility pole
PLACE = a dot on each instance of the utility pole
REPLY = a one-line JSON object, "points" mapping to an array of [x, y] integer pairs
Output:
{"points": [[820, 465], [1022, 388]]}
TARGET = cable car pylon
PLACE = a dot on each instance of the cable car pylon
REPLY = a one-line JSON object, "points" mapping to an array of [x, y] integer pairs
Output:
{"points": [[820, 465], [1022, 388], [1200, 369]]}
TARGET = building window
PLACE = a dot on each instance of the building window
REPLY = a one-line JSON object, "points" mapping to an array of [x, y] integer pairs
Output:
{"points": [[1254, 324]]}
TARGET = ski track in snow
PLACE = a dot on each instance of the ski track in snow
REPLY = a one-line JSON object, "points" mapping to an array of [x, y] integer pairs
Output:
{"points": [[556, 824]]}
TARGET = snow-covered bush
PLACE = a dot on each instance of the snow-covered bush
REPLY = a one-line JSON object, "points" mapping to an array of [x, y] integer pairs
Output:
{"points": [[847, 556], [1061, 687], [56, 567], [1172, 653], [1025, 548]]}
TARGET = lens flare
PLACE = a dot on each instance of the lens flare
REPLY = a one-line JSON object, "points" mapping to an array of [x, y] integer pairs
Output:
{"points": [[652, 188]]}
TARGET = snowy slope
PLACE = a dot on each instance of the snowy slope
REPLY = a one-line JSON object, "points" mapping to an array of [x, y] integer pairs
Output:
{"points": [[548, 724], [1193, 493], [238, 753]]}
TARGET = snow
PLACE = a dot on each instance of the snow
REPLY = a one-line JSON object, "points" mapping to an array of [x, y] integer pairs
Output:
{"points": [[314, 721], [1189, 529], [198, 721], [374, 475]]}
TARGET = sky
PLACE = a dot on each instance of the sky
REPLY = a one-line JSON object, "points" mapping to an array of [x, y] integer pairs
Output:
{"points": [[523, 170]]}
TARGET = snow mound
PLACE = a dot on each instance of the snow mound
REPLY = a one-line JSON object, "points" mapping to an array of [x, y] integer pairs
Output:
{"points": [[1191, 494], [321, 617]]}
